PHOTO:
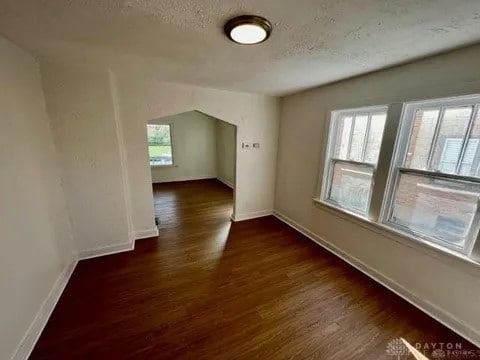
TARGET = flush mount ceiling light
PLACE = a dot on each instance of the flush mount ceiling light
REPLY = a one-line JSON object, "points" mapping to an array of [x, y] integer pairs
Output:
{"points": [[248, 29]]}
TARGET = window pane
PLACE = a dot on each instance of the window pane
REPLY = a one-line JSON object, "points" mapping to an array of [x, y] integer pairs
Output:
{"points": [[421, 138], [453, 125], [471, 158], [435, 207], [351, 185], [358, 137], [344, 127], [450, 154], [375, 134], [159, 145]]}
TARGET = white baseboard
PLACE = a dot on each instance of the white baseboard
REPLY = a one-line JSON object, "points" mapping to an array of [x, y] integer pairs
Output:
{"points": [[439, 314], [105, 250], [185, 178], [228, 183], [252, 215], [38, 324], [34, 331], [144, 234]]}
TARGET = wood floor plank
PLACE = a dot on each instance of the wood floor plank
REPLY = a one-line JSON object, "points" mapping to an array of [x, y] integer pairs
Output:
{"points": [[207, 288]]}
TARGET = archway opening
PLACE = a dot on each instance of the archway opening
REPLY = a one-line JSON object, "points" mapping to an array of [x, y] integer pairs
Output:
{"points": [[193, 168]]}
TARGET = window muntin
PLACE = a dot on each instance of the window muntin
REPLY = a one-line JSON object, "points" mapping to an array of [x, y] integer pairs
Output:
{"points": [[352, 157], [358, 138], [358, 135], [434, 193], [423, 131], [431, 146], [160, 144], [454, 123], [375, 134]]}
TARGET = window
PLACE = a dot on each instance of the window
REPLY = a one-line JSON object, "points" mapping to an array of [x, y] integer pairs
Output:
{"points": [[160, 144], [352, 157], [427, 184], [434, 182]]}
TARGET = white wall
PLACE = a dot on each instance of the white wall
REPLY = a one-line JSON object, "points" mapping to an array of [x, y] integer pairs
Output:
{"points": [[449, 288], [99, 120], [194, 148], [225, 152], [36, 245], [203, 147], [84, 116], [256, 117]]}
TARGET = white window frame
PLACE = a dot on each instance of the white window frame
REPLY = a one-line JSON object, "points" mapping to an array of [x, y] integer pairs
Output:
{"points": [[330, 160], [397, 168], [170, 125], [393, 146]]}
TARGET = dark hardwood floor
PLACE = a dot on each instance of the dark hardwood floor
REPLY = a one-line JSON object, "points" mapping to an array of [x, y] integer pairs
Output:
{"points": [[211, 289]]}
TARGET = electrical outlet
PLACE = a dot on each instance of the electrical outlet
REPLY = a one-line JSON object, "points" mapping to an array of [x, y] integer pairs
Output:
{"points": [[256, 145]]}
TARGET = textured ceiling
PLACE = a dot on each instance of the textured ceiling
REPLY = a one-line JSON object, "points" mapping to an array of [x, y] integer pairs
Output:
{"points": [[313, 42]]}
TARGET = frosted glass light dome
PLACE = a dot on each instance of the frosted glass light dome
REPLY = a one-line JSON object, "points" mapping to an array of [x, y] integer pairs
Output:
{"points": [[248, 34]]}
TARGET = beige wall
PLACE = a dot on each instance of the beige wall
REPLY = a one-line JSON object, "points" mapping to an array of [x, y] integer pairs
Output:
{"points": [[36, 245], [225, 152], [256, 117], [446, 287], [99, 120], [84, 118], [203, 148], [194, 150]]}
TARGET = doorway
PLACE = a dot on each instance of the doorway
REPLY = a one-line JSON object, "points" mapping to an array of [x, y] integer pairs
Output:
{"points": [[193, 167]]}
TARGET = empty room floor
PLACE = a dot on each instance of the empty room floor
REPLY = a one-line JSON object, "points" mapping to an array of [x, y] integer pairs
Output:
{"points": [[211, 289]]}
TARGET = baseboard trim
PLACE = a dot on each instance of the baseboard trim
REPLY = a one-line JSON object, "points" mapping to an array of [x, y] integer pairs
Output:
{"points": [[105, 250], [441, 315], [32, 334], [185, 178], [144, 234], [225, 182], [252, 215]]}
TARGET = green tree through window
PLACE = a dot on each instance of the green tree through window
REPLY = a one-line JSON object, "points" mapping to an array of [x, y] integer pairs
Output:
{"points": [[159, 144]]}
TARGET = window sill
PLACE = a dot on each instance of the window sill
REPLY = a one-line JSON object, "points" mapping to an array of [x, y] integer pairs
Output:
{"points": [[163, 166], [431, 249]]}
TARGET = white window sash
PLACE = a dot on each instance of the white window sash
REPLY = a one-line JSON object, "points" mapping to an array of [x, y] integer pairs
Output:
{"points": [[331, 137], [398, 157], [327, 197], [475, 225]]}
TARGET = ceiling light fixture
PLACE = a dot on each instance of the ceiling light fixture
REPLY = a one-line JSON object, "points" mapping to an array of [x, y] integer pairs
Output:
{"points": [[248, 29]]}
